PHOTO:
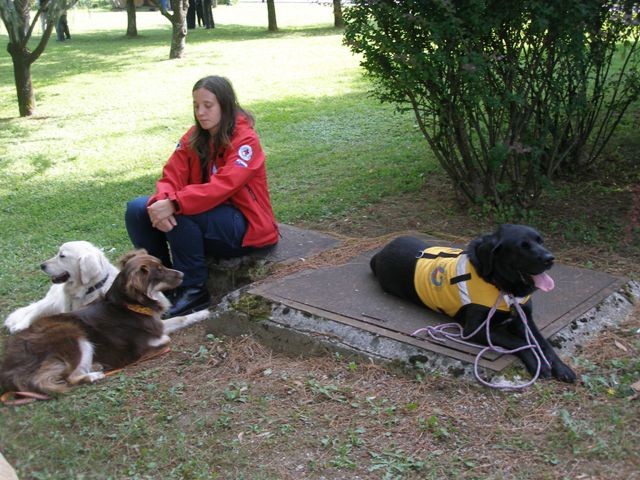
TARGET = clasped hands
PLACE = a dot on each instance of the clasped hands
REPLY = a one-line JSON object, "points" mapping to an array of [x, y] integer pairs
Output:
{"points": [[162, 215]]}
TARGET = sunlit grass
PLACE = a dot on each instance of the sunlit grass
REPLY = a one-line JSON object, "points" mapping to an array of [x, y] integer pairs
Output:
{"points": [[110, 110]]}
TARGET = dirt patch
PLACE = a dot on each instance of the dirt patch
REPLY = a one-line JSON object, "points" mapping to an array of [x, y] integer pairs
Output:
{"points": [[584, 224]]}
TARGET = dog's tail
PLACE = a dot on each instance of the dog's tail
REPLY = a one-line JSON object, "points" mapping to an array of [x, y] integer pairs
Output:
{"points": [[46, 378], [50, 377]]}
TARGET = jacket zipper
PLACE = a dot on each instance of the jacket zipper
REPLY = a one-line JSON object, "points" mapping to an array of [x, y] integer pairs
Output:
{"points": [[255, 199]]}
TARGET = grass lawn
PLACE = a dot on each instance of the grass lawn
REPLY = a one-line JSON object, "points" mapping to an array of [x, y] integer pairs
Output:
{"points": [[110, 110]]}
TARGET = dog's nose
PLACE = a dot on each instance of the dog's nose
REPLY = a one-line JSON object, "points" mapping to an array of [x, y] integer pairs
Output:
{"points": [[548, 260]]}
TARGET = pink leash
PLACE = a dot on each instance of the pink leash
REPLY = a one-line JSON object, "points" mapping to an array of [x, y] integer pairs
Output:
{"points": [[442, 333]]}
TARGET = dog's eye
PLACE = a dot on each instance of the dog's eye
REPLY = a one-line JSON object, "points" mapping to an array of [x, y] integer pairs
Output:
{"points": [[525, 245], [62, 255]]}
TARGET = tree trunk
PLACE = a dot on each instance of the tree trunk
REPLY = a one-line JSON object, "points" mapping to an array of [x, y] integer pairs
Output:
{"points": [[24, 13], [271, 10], [22, 76], [132, 29], [338, 22], [19, 29], [179, 27], [178, 40]]}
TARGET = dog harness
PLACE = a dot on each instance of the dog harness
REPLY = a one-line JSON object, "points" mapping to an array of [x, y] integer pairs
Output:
{"points": [[445, 281]]}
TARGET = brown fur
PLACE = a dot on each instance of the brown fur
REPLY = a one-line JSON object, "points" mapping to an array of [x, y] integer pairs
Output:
{"points": [[58, 351]]}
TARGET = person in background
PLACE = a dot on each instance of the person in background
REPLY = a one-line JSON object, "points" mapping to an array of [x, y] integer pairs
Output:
{"points": [[212, 199], [191, 15], [62, 28], [207, 14]]}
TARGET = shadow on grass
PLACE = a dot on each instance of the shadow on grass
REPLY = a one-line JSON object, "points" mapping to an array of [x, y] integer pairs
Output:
{"points": [[300, 136]]}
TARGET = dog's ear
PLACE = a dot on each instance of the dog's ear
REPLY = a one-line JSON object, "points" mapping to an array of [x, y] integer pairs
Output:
{"points": [[89, 267], [129, 255], [485, 251], [138, 282]]}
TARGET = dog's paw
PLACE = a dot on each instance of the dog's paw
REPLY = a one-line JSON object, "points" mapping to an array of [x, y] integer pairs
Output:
{"points": [[93, 377], [159, 342], [564, 373], [545, 372], [17, 321]]}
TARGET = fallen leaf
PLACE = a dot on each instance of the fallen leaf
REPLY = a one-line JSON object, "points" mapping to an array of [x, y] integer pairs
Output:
{"points": [[620, 346], [636, 386]]}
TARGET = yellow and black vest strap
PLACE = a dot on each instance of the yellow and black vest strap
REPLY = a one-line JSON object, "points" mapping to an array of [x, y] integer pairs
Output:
{"points": [[428, 255], [460, 278]]}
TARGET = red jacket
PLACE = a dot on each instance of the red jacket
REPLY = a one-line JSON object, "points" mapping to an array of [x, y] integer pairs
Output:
{"points": [[240, 178]]}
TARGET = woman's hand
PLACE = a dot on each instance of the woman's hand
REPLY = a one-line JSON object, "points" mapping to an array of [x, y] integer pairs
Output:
{"points": [[161, 214], [166, 225]]}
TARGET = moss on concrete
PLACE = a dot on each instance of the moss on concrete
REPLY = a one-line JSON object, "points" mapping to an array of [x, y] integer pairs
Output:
{"points": [[255, 307]]}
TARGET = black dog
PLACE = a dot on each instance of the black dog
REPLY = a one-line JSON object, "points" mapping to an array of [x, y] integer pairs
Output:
{"points": [[465, 284]]}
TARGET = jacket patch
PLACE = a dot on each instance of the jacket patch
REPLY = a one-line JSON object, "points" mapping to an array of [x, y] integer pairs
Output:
{"points": [[245, 152], [437, 276]]}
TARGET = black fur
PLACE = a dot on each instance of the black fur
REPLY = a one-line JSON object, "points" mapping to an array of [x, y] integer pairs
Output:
{"points": [[507, 258]]}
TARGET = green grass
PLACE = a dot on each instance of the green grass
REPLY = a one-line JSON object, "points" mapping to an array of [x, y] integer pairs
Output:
{"points": [[110, 110]]}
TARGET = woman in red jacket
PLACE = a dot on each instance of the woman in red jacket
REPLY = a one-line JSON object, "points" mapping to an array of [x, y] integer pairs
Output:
{"points": [[212, 199]]}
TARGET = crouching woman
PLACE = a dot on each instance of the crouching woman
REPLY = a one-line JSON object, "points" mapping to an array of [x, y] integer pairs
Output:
{"points": [[212, 199]]}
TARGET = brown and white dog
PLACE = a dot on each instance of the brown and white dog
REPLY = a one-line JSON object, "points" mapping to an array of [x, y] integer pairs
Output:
{"points": [[58, 351]]}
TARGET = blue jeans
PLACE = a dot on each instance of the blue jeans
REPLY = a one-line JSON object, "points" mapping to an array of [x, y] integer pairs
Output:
{"points": [[217, 232]]}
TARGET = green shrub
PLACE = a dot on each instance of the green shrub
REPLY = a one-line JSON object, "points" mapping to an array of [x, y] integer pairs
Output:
{"points": [[507, 93]]}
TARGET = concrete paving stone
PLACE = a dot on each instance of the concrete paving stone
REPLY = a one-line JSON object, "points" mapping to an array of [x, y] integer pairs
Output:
{"points": [[343, 308]]}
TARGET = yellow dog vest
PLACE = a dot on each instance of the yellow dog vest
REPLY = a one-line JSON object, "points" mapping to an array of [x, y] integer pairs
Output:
{"points": [[445, 281]]}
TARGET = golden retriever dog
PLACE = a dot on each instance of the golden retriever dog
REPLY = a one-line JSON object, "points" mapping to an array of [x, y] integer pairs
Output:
{"points": [[59, 351], [80, 273]]}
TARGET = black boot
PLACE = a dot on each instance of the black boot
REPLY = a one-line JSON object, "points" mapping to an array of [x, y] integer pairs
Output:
{"points": [[188, 300]]}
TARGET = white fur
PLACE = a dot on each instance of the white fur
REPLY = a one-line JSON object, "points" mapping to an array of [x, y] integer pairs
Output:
{"points": [[83, 372], [176, 323], [86, 266], [160, 341]]}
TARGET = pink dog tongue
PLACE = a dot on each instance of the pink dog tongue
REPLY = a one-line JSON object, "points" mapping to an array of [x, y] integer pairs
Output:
{"points": [[544, 282]]}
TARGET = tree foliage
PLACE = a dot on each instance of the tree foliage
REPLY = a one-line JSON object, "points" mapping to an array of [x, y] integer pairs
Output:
{"points": [[507, 93]]}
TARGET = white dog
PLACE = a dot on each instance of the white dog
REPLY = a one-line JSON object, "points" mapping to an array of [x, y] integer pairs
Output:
{"points": [[80, 273]]}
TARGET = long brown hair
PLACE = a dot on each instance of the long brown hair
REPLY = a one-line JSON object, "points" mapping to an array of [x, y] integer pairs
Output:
{"points": [[201, 140]]}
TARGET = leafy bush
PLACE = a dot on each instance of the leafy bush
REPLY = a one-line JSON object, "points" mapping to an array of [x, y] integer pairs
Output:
{"points": [[507, 93]]}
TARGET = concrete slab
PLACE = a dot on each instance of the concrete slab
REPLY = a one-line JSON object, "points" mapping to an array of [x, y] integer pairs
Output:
{"points": [[342, 308], [295, 243], [351, 295]]}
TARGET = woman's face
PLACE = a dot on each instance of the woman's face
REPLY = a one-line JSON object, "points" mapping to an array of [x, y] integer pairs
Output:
{"points": [[206, 110]]}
